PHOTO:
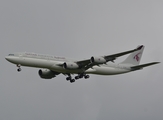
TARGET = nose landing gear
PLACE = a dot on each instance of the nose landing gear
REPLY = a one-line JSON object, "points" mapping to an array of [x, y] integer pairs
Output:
{"points": [[19, 69]]}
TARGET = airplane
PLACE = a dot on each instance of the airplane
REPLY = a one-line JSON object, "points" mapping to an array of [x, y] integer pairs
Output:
{"points": [[51, 66]]}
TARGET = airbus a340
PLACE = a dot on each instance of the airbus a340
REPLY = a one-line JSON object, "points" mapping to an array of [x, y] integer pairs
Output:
{"points": [[51, 66]]}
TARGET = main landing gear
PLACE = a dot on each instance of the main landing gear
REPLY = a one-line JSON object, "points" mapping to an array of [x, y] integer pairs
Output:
{"points": [[79, 76], [69, 78], [19, 69]]}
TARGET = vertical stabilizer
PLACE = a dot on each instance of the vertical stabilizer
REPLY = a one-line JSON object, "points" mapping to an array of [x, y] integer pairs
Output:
{"points": [[134, 58]]}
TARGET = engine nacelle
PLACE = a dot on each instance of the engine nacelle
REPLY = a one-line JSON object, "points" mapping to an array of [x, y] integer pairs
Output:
{"points": [[46, 74], [70, 65], [98, 60]]}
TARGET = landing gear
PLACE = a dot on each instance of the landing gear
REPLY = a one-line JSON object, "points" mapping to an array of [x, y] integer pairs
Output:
{"points": [[79, 76], [72, 80], [83, 75], [76, 77], [86, 76], [19, 69], [69, 78]]}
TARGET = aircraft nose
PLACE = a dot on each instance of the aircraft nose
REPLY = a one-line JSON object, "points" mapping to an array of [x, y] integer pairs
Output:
{"points": [[11, 59], [7, 58]]}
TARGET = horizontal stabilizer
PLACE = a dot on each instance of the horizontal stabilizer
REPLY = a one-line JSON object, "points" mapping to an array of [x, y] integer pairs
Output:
{"points": [[143, 65]]}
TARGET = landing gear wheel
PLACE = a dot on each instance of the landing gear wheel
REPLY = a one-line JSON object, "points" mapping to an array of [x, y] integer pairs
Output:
{"points": [[68, 78], [19, 69], [76, 77], [73, 80], [81, 76], [86, 76]]}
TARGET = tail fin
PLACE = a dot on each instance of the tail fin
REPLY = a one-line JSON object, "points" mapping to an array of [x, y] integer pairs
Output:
{"points": [[134, 58]]}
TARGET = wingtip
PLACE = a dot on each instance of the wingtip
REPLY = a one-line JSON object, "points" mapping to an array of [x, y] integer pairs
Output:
{"points": [[156, 63], [140, 47]]}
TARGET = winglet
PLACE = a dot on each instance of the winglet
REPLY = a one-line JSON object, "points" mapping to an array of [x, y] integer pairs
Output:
{"points": [[139, 47]]}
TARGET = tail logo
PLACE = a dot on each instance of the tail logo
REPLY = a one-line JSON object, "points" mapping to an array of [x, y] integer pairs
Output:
{"points": [[136, 57]]}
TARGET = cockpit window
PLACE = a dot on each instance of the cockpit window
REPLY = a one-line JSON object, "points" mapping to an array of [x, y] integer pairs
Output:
{"points": [[11, 54]]}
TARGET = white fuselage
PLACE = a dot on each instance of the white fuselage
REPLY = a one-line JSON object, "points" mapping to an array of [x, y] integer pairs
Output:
{"points": [[52, 63]]}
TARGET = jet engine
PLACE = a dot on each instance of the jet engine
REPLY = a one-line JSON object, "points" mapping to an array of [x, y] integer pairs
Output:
{"points": [[98, 60], [70, 65], [47, 74]]}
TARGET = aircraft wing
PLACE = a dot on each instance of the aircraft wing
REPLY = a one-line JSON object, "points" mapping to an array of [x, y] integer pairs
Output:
{"points": [[138, 67], [86, 64], [114, 56]]}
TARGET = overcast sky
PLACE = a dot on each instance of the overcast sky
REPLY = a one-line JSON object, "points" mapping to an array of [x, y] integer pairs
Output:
{"points": [[80, 29]]}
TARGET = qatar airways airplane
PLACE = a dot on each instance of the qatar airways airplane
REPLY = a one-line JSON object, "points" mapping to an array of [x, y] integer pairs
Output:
{"points": [[51, 66]]}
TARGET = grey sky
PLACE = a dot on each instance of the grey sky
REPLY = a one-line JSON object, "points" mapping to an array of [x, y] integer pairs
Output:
{"points": [[80, 29]]}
